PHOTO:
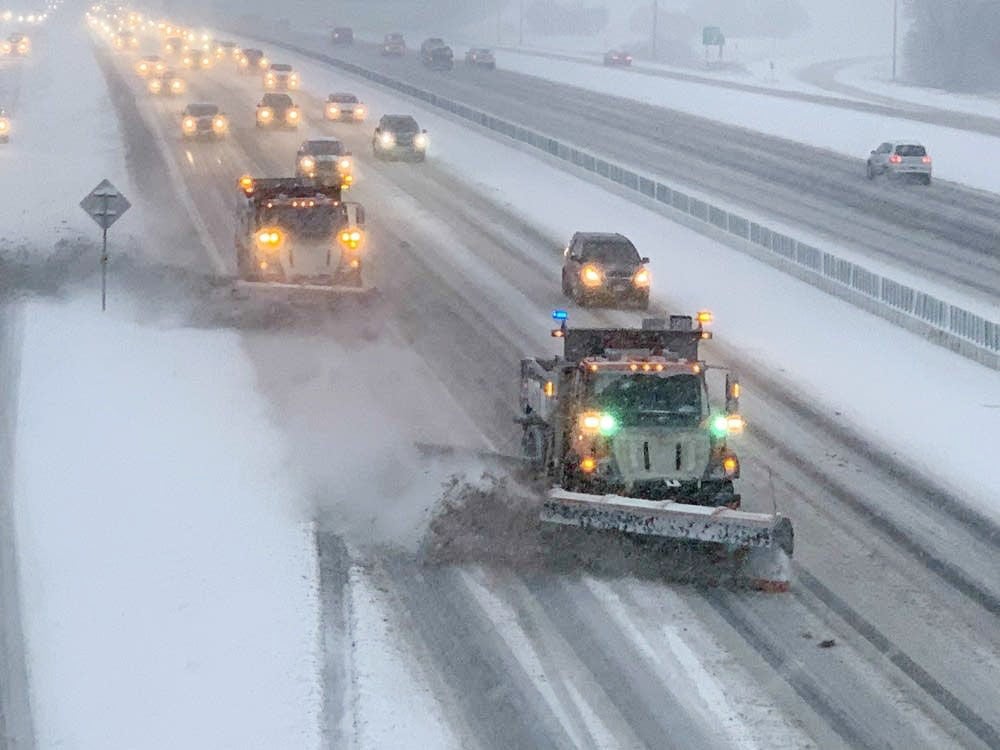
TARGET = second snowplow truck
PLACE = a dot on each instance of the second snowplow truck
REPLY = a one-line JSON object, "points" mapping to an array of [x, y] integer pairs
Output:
{"points": [[622, 428], [294, 233]]}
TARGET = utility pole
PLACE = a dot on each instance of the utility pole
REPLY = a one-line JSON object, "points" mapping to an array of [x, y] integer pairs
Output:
{"points": [[656, 14], [895, 25]]}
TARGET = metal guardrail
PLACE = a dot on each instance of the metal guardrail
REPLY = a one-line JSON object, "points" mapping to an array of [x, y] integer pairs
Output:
{"points": [[944, 323]]}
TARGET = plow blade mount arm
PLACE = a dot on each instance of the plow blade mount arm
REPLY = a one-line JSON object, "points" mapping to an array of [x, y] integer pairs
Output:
{"points": [[768, 538]]}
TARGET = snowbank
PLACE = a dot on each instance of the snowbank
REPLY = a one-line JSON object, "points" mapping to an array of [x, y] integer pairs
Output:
{"points": [[169, 584]]}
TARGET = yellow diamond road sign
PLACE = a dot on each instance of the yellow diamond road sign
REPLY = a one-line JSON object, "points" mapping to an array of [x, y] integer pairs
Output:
{"points": [[105, 204]]}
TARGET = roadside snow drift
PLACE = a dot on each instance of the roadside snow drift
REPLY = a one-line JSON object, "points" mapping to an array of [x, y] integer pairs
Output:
{"points": [[169, 575]]}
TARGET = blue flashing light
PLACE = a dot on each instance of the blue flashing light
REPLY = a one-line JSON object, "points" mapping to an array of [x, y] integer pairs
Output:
{"points": [[560, 315]]}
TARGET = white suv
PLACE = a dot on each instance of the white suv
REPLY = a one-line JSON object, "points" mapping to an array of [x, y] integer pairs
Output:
{"points": [[900, 159]]}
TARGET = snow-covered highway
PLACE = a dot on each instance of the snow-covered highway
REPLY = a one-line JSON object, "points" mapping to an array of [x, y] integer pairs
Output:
{"points": [[261, 579]]}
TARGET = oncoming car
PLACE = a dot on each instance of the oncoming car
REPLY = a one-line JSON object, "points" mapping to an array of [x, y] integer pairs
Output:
{"points": [[601, 267], [197, 59], [277, 111], [399, 137], [900, 159], [167, 83], [251, 60], [481, 58], [326, 161], [617, 57], [225, 50], [344, 108], [203, 121], [174, 45], [281, 77], [125, 40], [150, 65]]}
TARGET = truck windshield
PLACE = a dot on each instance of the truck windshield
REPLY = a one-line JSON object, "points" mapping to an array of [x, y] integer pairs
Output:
{"points": [[320, 222], [645, 400]]}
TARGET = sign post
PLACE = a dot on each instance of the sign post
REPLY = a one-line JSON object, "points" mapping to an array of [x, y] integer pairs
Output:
{"points": [[105, 205]]}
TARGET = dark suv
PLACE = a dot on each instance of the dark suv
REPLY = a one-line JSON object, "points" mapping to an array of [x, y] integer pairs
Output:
{"points": [[601, 267], [399, 137]]}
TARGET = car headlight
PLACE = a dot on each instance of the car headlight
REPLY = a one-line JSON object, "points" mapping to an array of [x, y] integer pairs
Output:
{"points": [[265, 113], [332, 110], [206, 62], [420, 140], [359, 113], [307, 164], [190, 123], [591, 275], [4, 125], [220, 124], [387, 139], [641, 278], [177, 85], [292, 116], [244, 63], [293, 80], [264, 63], [155, 86]]}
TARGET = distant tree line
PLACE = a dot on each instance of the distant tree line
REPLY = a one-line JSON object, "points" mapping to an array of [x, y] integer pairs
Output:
{"points": [[952, 44]]}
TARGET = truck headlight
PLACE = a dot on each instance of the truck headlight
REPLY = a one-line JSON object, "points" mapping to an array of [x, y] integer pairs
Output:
{"points": [[345, 164], [307, 164], [351, 238], [293, 81], [177, 85], [154, 87], [420, 140], [270, 238], [591, 275], [4, 125], [641, 278]]}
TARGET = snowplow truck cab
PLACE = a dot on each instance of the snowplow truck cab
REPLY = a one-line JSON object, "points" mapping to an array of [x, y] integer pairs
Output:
{"points": [[622, 428], [627, 412], [298, 231]]}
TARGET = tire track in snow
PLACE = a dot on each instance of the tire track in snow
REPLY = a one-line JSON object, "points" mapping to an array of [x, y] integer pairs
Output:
{"points": [[497, 697]]}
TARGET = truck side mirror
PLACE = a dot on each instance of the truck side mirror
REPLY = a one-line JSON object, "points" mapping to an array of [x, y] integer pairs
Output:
{"points": [[732, 394]]}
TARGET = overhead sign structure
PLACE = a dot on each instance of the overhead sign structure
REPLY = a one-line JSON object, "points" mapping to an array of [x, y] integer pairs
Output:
{"points": [[105, 204]]}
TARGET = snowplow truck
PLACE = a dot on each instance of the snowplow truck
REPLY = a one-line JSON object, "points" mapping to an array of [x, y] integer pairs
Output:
{"points": [[297, 234], [622, 428]]}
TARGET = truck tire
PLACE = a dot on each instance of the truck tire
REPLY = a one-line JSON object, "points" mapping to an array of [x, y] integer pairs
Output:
{"points": [[534, 446]]}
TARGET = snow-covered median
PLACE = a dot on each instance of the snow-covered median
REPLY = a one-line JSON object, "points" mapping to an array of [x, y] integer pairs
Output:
{"points": [[169, 576]]}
